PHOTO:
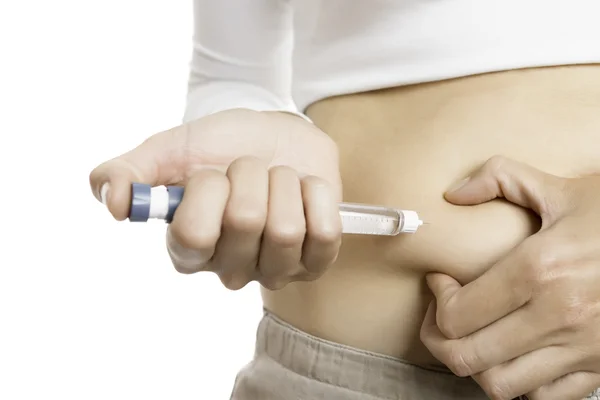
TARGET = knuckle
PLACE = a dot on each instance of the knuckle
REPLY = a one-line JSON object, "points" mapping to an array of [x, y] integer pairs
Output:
{"points": [[274, 283], [493, 386], [574, 314], [312, 183], [234, 281], [315, 269], [547, 260], [540, 262], [495, 163], [310, 276], [286, 234], [327, 234], [458, 364], [191, 237], [283, 273], [245, 218]]}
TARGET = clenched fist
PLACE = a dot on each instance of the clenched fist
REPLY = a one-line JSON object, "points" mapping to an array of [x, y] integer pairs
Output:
{"points": [[261, 195]]}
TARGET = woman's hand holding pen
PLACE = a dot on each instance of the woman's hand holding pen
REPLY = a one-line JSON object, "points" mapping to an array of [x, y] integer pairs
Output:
{"points": [[261, 195]]}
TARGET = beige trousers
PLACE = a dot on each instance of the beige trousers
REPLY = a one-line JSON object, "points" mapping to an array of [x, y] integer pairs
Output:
{"points": [[292, 365]]}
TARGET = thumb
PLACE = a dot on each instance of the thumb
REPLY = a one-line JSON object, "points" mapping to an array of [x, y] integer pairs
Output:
{"points": [[443, 287], [157, 161], [517, 182]]}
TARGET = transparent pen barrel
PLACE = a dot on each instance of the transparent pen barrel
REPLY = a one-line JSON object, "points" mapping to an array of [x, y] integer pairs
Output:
{"points": [[370, 220]]}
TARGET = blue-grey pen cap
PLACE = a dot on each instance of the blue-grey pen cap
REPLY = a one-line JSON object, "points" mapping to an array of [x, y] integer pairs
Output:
{"points": [[140, 202], [175, 196]]}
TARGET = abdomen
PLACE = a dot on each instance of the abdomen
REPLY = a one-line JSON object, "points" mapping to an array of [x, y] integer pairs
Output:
{"points": [[403, 148]]}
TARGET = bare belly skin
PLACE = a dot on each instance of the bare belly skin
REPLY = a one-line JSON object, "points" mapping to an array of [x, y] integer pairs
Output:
{"points": [[404, 147]]}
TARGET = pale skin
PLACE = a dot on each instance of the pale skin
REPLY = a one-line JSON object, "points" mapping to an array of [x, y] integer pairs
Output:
{"points": [[261, 206], [538, 332], [534, 312]]}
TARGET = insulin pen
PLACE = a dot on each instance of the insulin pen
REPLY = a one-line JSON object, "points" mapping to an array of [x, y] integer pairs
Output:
{"points": [[160, 203]]}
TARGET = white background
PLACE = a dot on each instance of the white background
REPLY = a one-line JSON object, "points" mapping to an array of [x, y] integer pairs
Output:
{"points": [[91, 308]]}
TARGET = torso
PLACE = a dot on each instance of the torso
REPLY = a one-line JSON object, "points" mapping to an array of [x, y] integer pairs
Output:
{"points": [[404, 147]]}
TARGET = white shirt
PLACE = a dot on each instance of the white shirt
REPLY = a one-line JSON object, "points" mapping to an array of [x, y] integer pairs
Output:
{"points": [[285, 54]]}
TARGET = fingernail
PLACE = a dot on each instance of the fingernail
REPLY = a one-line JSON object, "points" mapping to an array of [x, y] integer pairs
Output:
{"points": [[459, 185], [104, 193]]}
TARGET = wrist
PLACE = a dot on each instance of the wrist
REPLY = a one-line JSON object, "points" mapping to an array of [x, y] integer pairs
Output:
{"points": [[293, 114]]}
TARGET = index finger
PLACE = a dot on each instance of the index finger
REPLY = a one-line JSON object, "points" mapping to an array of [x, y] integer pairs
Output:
{"points": [[498, 292], [157, 161]]}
